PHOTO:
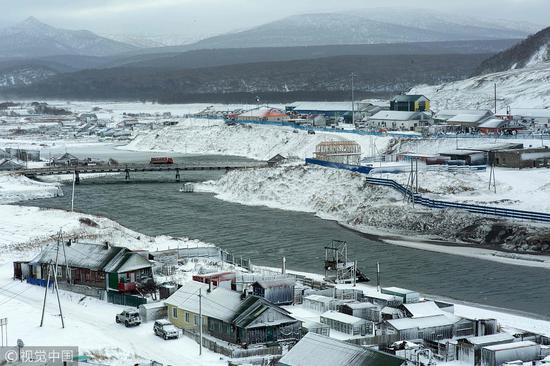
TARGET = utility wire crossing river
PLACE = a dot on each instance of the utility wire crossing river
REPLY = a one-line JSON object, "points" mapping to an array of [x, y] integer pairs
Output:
{"points": [[154, 207]]}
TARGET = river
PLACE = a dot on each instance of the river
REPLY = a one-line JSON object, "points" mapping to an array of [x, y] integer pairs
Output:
{"points": [[152, 204]]}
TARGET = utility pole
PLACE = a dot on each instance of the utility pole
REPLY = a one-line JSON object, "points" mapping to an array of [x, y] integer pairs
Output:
{"points": [[200, 321], [72, 193], [352, 100], [495, 98], [53, 268]]}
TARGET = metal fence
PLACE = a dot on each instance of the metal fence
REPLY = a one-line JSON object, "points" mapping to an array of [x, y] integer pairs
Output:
{"points": [[124, 299], [478, 209]]}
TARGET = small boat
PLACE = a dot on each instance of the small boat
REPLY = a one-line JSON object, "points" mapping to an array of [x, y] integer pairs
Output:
{"points": [[187, 188]]}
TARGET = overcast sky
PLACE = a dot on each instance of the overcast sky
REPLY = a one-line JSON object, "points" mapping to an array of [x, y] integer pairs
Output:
{"points": [[202, 17]]}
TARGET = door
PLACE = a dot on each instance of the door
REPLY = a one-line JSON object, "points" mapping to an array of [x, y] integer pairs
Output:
{"points": [[113, 280], [270, 334]]}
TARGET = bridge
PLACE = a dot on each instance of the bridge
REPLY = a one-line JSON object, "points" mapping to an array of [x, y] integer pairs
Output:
{"points": [[136, 167]]}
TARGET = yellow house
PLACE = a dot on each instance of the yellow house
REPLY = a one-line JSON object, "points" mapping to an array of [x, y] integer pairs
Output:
{"points": [[217, 303]]}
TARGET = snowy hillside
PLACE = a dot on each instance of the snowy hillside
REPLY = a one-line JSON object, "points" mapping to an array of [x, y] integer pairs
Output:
{"points": [[200, 136], [32, 38], [532, 51], [523, 88]]}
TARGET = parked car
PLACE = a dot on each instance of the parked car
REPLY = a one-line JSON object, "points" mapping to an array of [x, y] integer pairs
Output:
{"points": [[163, 328], [311, 132], [129, 317]]}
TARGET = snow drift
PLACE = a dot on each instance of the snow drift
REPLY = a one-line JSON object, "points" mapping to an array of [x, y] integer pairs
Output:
{"points": [[200, 136]]}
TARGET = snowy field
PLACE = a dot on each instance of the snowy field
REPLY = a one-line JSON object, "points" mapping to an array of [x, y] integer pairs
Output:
{"points": [[521, 88], [200, 136]]}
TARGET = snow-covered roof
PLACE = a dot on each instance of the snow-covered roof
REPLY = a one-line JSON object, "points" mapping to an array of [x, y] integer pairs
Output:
{"points": [[423, 309], [341, 317], [449, 113], [219, 303], [408, 98], [81, 255], [318, 350], [263, 112], [493, 123], [513, 345], [492, 338], [319, 298], [361, 305], [396, 116], [399, 290], [321, 106], [425, 322], [467, 118], [283, 282], [378, 295]]}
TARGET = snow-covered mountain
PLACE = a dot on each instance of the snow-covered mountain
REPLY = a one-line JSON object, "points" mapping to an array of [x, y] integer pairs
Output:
{"points": [[532, 51], [523, 88], [32, 38], [362, 27], [153, 41]]}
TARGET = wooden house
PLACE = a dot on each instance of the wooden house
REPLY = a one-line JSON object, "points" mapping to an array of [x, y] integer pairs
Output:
{"points": [[101, 266], [522, 158], [278, 292], [228, 317]]}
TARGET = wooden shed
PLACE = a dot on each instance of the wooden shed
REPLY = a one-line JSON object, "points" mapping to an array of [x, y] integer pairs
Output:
{"points": [[278, 292]]}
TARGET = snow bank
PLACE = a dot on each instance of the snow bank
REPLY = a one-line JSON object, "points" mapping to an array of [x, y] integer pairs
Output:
{"points": [[201, 136], [347, 198], [15, 188], [522, 88]]}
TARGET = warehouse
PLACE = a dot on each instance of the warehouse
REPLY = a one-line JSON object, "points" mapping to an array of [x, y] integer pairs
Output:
{"points": [[347, 324], [498, 354]]}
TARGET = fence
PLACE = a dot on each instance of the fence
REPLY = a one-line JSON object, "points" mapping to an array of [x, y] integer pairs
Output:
{"points": [[482, 210], [232, 351], [126, 300]]}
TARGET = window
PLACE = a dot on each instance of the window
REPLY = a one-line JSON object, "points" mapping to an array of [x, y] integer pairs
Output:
{"points": [[186, 317], [175, 312], [196, 319]]}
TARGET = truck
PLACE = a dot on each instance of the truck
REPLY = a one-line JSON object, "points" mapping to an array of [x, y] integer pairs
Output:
{"points": [[163, 328], [129, 317], [161, 160]]}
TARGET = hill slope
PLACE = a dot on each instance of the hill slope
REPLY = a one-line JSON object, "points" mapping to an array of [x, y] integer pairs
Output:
{"points": [[316, 78], [31, 38], [521, 88], [534, 50]]}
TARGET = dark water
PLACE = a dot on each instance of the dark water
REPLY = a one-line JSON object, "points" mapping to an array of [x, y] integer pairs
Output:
{"points": [[265, 235]]}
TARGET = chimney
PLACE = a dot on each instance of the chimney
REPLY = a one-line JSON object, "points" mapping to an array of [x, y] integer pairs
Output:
{"points": [[107, 245], [209, 285], [283, 270]]}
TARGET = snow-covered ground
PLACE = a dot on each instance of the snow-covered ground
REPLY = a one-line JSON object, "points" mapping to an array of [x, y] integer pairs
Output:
{"points": [[521, 88], [200, 136]]}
